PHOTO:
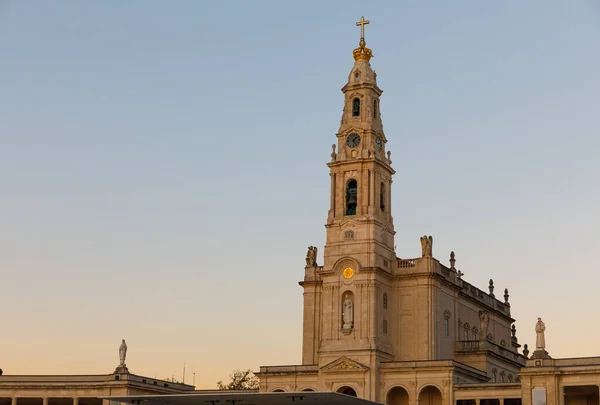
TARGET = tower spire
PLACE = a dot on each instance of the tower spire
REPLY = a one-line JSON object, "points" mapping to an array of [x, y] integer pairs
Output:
{"points": [[362, 52]]}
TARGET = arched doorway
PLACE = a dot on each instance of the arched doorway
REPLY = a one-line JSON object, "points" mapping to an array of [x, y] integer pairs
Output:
{"points": [[430, 395], [347, 390], [397, 396]]}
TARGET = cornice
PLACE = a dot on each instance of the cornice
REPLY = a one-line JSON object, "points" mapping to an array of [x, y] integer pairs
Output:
{"points": [[360, 160]]}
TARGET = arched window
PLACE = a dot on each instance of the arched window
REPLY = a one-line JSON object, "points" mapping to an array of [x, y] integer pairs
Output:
{"points": [[356, 107], [347, 390], [385, 301], [374, 108], [351, 197], [382, 197]]}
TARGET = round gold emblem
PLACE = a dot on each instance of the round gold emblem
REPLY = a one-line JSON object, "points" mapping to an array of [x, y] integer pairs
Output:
{"points": [[348, 272]]}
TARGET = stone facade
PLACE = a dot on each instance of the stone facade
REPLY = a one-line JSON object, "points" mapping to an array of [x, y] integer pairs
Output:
{"points": [[394, 330]]}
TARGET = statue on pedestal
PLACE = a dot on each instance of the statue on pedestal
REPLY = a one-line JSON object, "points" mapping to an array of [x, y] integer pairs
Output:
{"points": [[540, 340], [123, 352], [122, 368], [311, 257], [426, 246]]}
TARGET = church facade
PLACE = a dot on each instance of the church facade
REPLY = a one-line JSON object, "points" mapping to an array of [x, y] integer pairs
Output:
{"points": [[406, 331]]}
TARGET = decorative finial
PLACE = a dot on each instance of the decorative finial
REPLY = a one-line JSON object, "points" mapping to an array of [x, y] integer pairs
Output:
{"points": [[514, 330], [491, 287], [459, 274], [452, 260], [506, 296], [362, 52], [525, 351], [333, 154]]}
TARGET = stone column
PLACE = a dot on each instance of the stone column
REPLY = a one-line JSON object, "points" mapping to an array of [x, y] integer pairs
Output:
{"points": [[477, 401], [501, 401], [332, 199], [372, 191], [45, 401], [389, 199], [14, 401], [561, 395], [75, 401]]}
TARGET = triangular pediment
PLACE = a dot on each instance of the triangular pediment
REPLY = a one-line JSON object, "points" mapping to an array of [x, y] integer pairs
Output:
{"points": [[344, 364], [350, 129]]}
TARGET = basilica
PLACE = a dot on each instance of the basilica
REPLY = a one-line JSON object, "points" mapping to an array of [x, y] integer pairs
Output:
{"points": [[406, 330]]}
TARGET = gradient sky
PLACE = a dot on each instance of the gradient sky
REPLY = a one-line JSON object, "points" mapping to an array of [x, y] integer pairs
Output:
{"points": [[162, 169]]}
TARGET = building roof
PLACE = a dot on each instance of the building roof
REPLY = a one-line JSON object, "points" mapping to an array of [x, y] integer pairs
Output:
{"points": [[245, 398]]}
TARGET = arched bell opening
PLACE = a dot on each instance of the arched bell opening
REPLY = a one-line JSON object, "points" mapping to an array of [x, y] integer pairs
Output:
{"points": [[351, 197], [356, 107], [382, 197]]}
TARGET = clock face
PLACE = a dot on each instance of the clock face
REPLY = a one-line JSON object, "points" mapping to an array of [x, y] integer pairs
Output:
{"points": [[348, 272], [378, 142], [353, 140]]}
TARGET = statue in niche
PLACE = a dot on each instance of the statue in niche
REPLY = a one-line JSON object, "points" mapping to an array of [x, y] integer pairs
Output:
{"points": [[122, 352], [426, 246], [540, 340], [311, 257], [484, 320], [348, 313]]}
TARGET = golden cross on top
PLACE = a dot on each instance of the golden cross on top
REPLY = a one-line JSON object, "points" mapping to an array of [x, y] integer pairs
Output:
{"points": [[362, 24]]}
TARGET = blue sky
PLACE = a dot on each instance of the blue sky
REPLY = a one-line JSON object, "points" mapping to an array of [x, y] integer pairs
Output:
{"points": [[163, 168]]}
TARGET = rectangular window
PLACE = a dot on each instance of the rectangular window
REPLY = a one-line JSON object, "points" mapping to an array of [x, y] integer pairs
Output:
{"points": [[446, 327], [466, 335], [474, 336], [385, 326]]}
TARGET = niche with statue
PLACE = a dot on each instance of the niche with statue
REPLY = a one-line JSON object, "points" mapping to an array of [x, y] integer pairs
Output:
{"points": [[347, 311]]}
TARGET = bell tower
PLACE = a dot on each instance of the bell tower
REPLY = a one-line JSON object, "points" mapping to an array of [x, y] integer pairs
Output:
{"points": [[345, 300], [359, 221]]}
